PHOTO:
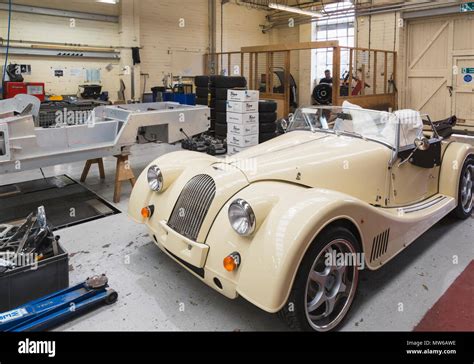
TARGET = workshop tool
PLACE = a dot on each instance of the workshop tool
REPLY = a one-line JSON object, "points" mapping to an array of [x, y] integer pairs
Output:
{"points": [[58, 307], [34, 236]]}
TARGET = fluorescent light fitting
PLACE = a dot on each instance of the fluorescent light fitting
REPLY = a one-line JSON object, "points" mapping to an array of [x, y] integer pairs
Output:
{"points": [[108, 1], [292, 9]]}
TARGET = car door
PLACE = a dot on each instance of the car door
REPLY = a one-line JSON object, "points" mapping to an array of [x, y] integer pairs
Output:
{"points": [[414, 174]]}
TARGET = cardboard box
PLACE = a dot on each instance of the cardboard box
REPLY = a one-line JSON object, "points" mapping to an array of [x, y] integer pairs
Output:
{"points": [[242, 107], [243, 119], [240, 129], [232, 149], [242, 140], [243, 95]]}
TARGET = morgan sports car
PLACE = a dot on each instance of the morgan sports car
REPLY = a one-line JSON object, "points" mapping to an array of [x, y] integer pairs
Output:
{"points": [[289, 223]]}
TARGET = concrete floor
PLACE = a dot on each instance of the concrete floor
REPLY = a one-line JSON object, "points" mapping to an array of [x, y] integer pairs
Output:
{"points": [[157, 294]]}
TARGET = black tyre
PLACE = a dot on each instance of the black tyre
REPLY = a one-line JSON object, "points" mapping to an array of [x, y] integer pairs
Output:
{"points": [[228, 81], [263, 137], [201, 101], [221, 93], [465, 190], [267, 106], [221, 117], [221, 106], [202, 92], [201, 81], [322, 294], [267, 117], [322, 94], [212, 104], [221, 129], [267, 128]]}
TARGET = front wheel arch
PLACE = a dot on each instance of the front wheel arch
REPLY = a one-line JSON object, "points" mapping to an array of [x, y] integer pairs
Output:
{"points": [[345, 223], [293, 310]]}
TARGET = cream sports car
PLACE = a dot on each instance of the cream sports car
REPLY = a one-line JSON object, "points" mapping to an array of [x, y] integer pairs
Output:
{"points": [[289, 223]]}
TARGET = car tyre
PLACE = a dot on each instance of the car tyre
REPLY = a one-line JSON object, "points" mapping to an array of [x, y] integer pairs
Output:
{"points": [[221, 106], [202, 92], [267, 128], [228, 81], [201, 81], [465, 190], [319, 289], [263, 137], [221, 129], [201, 101], [267, 117], [221, 117], [221, 93], [267, 106]]}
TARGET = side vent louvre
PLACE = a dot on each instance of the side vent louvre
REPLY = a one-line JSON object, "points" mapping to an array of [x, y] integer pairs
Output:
{"points": [[379, 245]]}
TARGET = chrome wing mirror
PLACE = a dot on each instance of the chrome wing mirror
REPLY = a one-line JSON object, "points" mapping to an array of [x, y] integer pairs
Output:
{"points": [[283, 123], [422, 144]]}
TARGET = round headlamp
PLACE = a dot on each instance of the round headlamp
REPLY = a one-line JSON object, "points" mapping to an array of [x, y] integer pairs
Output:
{"points": [[154, 178], [241, 217]]}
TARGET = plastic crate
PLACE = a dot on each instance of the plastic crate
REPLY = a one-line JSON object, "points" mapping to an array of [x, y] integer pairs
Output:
{"points": [[23, 284]]}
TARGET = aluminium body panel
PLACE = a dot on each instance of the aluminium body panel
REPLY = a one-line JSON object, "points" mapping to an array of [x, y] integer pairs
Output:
{"points": [[110, 130]]}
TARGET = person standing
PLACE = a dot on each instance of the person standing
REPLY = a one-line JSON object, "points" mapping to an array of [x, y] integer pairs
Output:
{"points": [[327, 77]]}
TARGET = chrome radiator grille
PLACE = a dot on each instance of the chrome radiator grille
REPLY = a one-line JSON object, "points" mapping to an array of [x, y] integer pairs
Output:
{"points": [[192, 205]]}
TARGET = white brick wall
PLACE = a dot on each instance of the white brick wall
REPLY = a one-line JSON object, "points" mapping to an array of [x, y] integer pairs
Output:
{"points": [[241, 27], [30, 27], [161, 34]]}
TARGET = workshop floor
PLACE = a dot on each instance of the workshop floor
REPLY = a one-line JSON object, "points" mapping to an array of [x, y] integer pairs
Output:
{"points": [[157, 294]]}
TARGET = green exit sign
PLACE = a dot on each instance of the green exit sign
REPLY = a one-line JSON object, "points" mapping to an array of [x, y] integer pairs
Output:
{"points": [[468, 70], [465, 7]]}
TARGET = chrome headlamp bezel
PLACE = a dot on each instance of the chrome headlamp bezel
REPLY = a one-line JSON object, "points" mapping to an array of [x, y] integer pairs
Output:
{"points": [[154, 178], [241, 217]]}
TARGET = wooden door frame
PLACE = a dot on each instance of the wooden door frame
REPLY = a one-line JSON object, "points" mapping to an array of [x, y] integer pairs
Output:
{"points": [[459, 55], [449, 24]]}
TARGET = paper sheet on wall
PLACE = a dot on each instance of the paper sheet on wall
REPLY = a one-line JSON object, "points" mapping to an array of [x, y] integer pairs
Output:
{"points": [[75, 72], [92, 75]]}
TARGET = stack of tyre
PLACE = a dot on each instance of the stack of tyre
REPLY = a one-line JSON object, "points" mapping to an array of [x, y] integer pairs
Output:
{"points": [[202, 90], [267, 117], [219, 86], [202, 96]]}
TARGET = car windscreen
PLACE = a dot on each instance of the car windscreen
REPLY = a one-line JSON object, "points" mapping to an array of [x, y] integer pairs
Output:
{"points": [[376, 125]]}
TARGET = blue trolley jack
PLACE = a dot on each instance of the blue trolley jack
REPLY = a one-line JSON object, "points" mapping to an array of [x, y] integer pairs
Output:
{"points": [[58, 307]]}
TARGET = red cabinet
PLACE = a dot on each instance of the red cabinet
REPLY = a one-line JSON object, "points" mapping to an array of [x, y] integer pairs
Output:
{"points": [[31, 88]]}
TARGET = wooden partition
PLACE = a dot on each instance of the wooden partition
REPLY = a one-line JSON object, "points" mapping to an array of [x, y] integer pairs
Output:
{"points": [[376, 69], [373, 72]]}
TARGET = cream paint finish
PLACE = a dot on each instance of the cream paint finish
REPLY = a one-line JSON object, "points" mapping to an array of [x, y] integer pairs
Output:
{"points": [[289, 212], [278, 246], [323, 160], [453, 160], [410, 184]]}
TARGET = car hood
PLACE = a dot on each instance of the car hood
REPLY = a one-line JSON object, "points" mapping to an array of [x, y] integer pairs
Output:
{"points": [[316, 159]]}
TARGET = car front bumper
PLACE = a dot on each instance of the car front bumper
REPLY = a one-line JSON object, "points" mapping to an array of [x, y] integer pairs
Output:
{"points": [[192, 256]]}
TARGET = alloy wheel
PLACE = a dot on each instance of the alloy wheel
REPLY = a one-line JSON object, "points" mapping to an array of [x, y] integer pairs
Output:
{"points": [[330, 289]]}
